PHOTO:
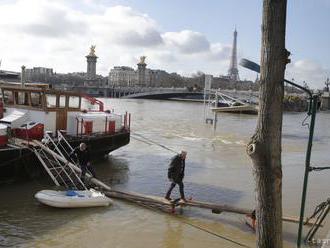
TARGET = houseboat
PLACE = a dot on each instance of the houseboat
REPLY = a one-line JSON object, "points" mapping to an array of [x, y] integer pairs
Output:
{"points": [[28, 111]]}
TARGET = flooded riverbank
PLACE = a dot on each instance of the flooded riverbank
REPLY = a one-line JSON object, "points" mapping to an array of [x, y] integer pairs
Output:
{"points": [[217, 170]]}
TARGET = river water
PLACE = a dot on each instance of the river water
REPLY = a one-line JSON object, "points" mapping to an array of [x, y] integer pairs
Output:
{"points": [[217, 170]]}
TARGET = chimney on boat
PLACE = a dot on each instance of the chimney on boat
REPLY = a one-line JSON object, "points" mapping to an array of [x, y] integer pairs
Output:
{"points": [[23, 76]]}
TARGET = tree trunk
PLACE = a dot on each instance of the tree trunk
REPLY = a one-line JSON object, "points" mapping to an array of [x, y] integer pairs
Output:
{"points": [[265, 146]]}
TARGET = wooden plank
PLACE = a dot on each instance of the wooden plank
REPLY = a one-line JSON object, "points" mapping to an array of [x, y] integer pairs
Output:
{"points": [[138, 197], [295, 219], [217, 207], [149, 199]]}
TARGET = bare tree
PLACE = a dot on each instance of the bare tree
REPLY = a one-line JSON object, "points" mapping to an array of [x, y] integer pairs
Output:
{"points": [[265, 146]]}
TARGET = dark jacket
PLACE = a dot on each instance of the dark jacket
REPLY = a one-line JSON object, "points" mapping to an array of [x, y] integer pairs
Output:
{"points": [[176, 169], [82, 156]]}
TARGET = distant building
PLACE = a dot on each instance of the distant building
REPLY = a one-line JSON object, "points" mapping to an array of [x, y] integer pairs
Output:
{"points": [[9, 76], [40, 74], [123, 76]]}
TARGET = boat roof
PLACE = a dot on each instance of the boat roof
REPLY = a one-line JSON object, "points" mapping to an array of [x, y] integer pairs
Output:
{"points": [[35, 87]]}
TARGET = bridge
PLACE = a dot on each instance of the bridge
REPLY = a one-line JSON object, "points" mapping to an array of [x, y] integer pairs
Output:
{"points": [[167, 93], [134, 92]]}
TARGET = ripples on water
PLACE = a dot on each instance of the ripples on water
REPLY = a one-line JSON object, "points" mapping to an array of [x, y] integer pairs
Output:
{"points": [[217, 170]]}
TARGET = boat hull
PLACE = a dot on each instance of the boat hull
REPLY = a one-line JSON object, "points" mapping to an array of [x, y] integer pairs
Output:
{"points": [[82, 199], [19, 164]]}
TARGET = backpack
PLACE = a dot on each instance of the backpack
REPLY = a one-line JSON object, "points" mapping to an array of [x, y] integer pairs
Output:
{"points": [[171, 168]]}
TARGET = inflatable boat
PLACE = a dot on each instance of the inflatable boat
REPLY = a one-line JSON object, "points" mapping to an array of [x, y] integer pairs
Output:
{"points": [[73, 198]]}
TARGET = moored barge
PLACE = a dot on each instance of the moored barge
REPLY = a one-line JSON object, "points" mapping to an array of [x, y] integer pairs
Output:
{"points": [[27, 111]]}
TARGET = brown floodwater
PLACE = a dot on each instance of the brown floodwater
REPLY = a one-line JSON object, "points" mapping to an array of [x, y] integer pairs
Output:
{"points": [[217, 170]]}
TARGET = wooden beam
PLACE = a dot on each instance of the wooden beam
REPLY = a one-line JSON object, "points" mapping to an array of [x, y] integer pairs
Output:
{"points": [[216, 208]]}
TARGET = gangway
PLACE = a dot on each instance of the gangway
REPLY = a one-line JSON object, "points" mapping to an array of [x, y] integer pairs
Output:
{"points": [[47, 148], [60, 171], [61, 145]]}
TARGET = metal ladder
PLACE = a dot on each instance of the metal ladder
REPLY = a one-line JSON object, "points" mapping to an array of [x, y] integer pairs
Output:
{"points": [[60, 172]]}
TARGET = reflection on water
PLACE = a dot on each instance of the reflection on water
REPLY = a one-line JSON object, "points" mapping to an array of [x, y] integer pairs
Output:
{"points": [[217, 170], [173, 234]]}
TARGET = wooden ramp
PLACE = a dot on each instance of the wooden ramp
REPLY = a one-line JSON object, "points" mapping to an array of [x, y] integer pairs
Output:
{"points": [[170, 206]]}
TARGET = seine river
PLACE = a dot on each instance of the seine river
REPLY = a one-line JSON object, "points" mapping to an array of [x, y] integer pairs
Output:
{"points": [[217, 170]]}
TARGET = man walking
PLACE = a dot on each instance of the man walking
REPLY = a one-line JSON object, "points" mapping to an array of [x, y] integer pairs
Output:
{"points": [[176, 174], [82, 154]]}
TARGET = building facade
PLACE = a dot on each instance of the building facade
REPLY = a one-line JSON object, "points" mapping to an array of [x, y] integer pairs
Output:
{"points": [[40, 74], [122, 76]]}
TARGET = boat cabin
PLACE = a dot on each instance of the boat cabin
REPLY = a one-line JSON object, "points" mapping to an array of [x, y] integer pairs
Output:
{"points": [[39, 97], [39, 108]]}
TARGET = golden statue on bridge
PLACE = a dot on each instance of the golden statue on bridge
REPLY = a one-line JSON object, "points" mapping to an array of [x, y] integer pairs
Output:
{"points": [[92, 50], [142, 59]]}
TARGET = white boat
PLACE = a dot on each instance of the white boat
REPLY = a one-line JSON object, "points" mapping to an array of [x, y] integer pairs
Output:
{"points": [[73, 198]]}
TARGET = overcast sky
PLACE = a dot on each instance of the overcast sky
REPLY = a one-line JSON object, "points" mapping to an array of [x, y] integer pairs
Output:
{"points": [[178, 36]]}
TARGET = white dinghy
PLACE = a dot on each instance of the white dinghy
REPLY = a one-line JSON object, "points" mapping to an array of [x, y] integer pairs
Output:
{"points": [[73, 198]]}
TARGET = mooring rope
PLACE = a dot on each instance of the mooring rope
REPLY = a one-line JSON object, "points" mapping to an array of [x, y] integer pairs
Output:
{"points": [[215, 234], [153, 142]]}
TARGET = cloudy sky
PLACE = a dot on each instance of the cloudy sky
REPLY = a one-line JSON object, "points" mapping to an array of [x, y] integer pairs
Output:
{"points": [[178, 36]]}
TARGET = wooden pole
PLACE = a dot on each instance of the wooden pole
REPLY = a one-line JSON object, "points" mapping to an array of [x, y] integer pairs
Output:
{"points": [[265, 145]]}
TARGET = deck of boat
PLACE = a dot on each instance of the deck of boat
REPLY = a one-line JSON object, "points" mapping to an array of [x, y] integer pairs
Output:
{"points": [[243, 109]]}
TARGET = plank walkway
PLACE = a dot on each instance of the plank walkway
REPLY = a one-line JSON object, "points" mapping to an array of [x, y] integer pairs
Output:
{"points": [[168, 206]]}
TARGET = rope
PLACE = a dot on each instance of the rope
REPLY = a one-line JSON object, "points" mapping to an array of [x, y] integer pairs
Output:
{"points": [[155, 206], [215, 234], [154, 143], [304, 123], [143, 141], [319, 168]]}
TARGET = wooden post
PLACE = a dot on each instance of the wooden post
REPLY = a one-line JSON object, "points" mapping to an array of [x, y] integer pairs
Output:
{"points": [[129, 121]]}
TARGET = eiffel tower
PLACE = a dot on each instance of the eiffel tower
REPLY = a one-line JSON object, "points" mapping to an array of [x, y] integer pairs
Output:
{"points": [[233, 71]]}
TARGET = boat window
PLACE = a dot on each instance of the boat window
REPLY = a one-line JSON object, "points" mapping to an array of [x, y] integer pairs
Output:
{"points": [[36, 99], [22, 98], [8, 97], [73, 102], [32, 123], [51, 101], [24, 125], [62, 102]]}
